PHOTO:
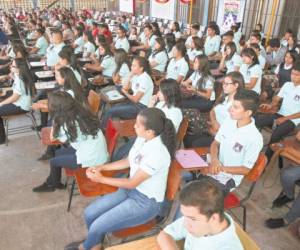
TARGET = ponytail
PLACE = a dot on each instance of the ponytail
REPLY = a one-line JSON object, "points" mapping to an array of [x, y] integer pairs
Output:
{"points": [[168, 137]]}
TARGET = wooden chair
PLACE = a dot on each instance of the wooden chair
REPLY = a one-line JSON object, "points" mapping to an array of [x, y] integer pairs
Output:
{"points": [[182, 131], [125, 128], [94, 101], [247, 242], [233, 201], [173, 184]]}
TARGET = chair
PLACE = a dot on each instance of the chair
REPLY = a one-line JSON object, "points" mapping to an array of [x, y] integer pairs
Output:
{"points": [[233, 201], [173, 184], [125, 128], [19, 129], [94, 101], [247, 242], [182, 131]]}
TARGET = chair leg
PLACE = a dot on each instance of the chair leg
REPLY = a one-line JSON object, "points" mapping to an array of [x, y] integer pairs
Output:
{"points": [[33, 120], [244, 217], [6, 131], [71, 195]]}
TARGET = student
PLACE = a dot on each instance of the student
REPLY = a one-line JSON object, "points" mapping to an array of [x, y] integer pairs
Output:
{"points": [[95, 29], [178, 67], [212, 41], [170, 44], [227, 38], [284, 41], [159, 57], [68, 34], [149, 42], [41, 44], [288, 116], [122, 70], [156, 29], [193, 32], [292, 44], [79, 42], [175, 28], [197, 46], [54, 48], [204, 224], [141, 85], [255, 37], [20, 101], [133, 36], [275, 53], [122, 42], [251, 70], [124, 23], [261, 59], [230, 59], [284, 70], [77, 125], [139, 197], [201, 84], [89, 44]]}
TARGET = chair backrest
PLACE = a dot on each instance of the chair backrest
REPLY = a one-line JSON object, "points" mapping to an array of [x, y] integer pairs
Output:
{"points": [[125, 128], [94, 101], [182, 131], [111, 136], [174, 180], [258, 168]]}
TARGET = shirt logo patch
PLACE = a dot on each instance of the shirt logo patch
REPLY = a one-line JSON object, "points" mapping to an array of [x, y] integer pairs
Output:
{"points": [[176, 68], [237, 147], [297, 98], [138, 159]]}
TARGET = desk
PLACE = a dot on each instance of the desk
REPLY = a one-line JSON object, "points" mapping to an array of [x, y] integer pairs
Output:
{"points": [[290, 149], [3, 91], [105, 97]]}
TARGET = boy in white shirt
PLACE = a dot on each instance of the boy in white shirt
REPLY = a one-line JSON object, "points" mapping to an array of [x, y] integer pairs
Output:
{"points": [[122, 42], [204, 224], [212, 42]]}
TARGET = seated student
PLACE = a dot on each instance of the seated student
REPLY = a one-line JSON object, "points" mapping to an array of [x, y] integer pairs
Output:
{"points": [[232, 83], [197, 46], [79, 42], [54, 48], [261, 59], [106, 63], [178, 67], [133, 36], [139, 197], [212, 41], [275, 53], [31, 30], [158, 58], [292, 44], [195, 28], [230, 59], [149, 43], [201, 84], [227, 38], [237, 34], [124, 23], [141, 85], [122, 70], [121, 41], [204, 224], [89, 44], [170, 44], [284, 41], [95, 29], [288, 176], [175, 28], [3, 38], [288, 116], [251, 70], [68, 34], [255, 37], [156, 29], [20, 101], [77, 125], [284, 70], [41, 44]]}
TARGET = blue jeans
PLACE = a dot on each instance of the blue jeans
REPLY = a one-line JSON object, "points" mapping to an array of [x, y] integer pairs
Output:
{"points": [[119, 210]]}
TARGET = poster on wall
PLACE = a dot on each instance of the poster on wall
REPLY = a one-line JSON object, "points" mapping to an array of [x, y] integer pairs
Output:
{"points": [[163, 9], [126, 6], [229, 13]]}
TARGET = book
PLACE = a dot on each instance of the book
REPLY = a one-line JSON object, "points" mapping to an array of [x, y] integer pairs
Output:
{"points": [[189, 158]]}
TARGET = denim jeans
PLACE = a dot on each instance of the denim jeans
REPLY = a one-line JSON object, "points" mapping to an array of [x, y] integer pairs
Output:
{"points": [[119, 210]]}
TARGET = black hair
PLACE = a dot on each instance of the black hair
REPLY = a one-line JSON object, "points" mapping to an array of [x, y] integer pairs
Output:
{"points": [[120, 59], [196, 26], [171, 92], [204, 71], [229, 33], [89, 36], [170, 41], [256, 34], [275, 43], [107, 50], [143, 62], [232, 47], [41, 31], [199, 43], [25, 75], [67, 53], [155, 119], [177, 27], [296, 66], [162, 45], [156, 30], [19, 47], [249, 100], [249, 52]]}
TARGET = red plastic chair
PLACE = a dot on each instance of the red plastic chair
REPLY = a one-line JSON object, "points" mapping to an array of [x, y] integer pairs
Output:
{"points": [[233, 201]]}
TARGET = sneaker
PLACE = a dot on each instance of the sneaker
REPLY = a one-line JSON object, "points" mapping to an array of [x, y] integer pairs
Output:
{"points": [[281, 200], [38, 128], [46, 156], [74, 245], [275, 223], [43, 188], [61, 186]]}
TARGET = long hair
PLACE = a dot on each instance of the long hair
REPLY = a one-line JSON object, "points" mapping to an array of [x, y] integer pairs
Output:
{"points": [[107, 50], [249, 52], [199, 43], [120, 59], [143, 62], [203, 70], [162, 45], [67, 53], [89, 36], [155, 119], [171, 92], [25, 75], [232, 47], [170, 41], [68, 114]]}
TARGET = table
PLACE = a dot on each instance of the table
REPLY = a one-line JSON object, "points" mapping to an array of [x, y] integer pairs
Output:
{"points": [[106, 98]]}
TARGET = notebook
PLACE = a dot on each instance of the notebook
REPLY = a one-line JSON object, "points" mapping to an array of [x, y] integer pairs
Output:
{"points": [[190, 159], [37, 64]]}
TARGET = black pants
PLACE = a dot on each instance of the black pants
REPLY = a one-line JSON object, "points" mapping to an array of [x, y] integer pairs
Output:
{"points": [[267, 120], [197, 102], [5, 110]]}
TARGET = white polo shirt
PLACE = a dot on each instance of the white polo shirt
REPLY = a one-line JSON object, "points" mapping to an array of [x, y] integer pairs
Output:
{"points": [[122, 44], [235, 61], [172, 113], [238, 147], [88, 47], [209, 84], [79, 42], [24, 100], [177, 34], [226, 240], [262, 61], [42, 45], [290, 94], [143, 83], [161, 58], [212, 44], [252, 72], [192, 53], [109, 65], [141, 157], [177, 68], [151, 42], [124, 72], [222, 110], [52, 54]]}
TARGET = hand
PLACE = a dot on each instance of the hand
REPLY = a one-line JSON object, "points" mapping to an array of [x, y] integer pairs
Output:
{"points": [[224, 54], [94, 175], [215, 166], [124, 91], [153, 100], [190, 88], [266, 106], [133, 49], [281, 120]]}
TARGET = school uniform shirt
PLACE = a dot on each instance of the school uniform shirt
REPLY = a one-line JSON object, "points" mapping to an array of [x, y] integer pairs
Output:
{"points": [[52, 53], [192, 53], [177, 68], [172, 113], [222, 110], [262, 61], [212, 44], [80, 43], [151, 42], [226, 240], [142, 83], [24, 100], [30, 35], [122, 44], [142, 38], [108, 65], [141, 157], [238, 147], [235, 61], [252, 72], [177, 34], [89, 47], [124, 72], [42, 44], [290, 94], [89, 151], [209, 84], [11, 52], [161, 58], [188, 42]]}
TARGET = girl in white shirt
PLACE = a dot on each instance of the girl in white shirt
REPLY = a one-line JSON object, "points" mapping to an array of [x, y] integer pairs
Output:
{"points": [[89, 44], [230, 59], [133, 34], [176, 30], [159, 57], [196, 49], [122, 71], [261, 58], [79, 42], [139, 197], [170, 43]]}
